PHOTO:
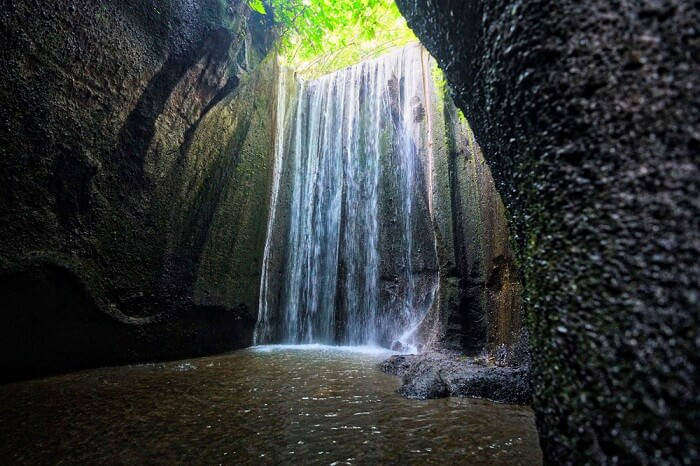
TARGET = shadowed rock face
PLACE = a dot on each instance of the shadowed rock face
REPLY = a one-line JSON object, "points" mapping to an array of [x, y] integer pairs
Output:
{"points": [[479, 305], [588, 115], [110, 199]]}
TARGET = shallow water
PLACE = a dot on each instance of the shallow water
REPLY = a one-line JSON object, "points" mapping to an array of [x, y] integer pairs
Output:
{"points": [[260, 405]]}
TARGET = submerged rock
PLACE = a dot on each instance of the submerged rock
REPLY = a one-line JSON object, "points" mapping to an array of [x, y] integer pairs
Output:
{"points": [[398, 346], [436, 375]]}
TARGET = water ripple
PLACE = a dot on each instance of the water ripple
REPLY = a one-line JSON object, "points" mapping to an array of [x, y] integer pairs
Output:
{"points": [[272, 405]]}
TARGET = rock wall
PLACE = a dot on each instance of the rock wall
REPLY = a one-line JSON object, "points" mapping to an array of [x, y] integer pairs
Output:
{"points": [[479, 307], [588, 115], [489, 283], [134, 184]]}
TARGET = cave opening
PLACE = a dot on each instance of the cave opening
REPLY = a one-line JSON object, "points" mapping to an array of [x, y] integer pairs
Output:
{"points": [[375, 170], [272, 218]]}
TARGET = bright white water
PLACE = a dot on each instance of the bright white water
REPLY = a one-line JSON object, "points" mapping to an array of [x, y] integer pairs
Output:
{"points": [[369, 350], [354, 133], [263, 318]]}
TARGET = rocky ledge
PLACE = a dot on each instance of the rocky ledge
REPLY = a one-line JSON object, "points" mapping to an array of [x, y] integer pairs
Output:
{"points": [[438, 375]]}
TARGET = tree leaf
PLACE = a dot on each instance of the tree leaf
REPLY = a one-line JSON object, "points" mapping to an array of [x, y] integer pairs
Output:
{"points": [[257, 5]]}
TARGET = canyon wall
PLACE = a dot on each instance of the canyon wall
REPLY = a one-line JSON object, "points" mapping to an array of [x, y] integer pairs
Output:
{"points": [[137, 167], [135, 158], [479, 307], [587, 113]]}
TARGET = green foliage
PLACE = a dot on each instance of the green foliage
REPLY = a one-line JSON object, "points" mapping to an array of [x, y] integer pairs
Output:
{"points": [[323, 35], [257, 5]]}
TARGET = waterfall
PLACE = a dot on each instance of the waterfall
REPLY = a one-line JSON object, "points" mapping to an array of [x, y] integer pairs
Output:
{"points": [[350, 212], [264, 315]]}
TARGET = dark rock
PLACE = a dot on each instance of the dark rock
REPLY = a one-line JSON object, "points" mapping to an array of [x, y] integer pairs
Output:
{"points": [[435, 375], [423, 380], [505, 384], [479, 303], [398, 346], [123, 236], [54, 323], [397, 365], [587, 113]]}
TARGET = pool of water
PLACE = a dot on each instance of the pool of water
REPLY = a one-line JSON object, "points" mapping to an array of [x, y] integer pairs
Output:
{"points": [[260, 405]]}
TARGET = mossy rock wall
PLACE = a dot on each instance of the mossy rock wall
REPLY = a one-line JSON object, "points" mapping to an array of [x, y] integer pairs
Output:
{"points": [[223, 205], [588, 113], [105, 106], [479, 304]]}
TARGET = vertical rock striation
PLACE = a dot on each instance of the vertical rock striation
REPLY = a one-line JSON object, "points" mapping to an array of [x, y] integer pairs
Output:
{"points": [[479, 277], [376, 174]]}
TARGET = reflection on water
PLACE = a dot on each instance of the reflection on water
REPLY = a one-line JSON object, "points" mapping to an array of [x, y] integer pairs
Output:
{"points": [[261, 405]]}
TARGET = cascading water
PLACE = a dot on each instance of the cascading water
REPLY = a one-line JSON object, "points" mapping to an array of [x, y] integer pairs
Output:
{"points": [[349, 198]]}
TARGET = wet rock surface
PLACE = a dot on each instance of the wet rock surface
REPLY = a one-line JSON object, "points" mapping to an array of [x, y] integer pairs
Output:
{"points": [[479, 303], [102, 160], [350, 247], [587, 113], [438, 375]]}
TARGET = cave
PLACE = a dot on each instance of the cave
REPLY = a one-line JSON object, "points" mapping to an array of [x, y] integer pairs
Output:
{"points": [[352, 231]]}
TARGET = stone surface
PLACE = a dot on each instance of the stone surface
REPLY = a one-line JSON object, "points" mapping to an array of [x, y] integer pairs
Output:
{"points": [[587, 113], [132, 205], [479, 304], [438, 375]]}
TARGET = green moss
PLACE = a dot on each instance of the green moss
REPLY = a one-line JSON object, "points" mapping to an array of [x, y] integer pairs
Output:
{"points": [[237, 137], [440, 83]]}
